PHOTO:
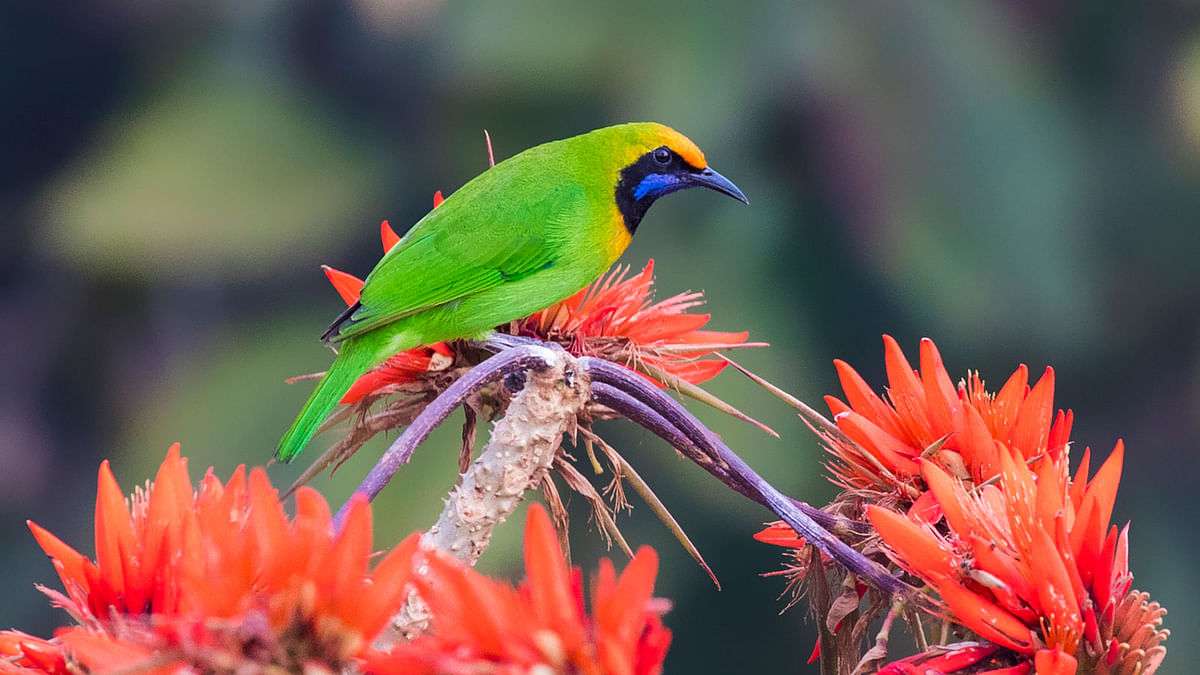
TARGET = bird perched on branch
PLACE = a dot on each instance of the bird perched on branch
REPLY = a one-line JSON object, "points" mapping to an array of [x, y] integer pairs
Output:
{"points": [[524, 234]]}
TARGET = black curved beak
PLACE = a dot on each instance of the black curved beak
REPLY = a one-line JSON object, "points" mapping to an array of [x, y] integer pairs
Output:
{"points": [[715, 181]]}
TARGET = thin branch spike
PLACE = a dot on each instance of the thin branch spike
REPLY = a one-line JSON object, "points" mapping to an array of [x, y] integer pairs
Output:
{"points": [[806, 411], [692, 391], [704, 347], [659, 509]]}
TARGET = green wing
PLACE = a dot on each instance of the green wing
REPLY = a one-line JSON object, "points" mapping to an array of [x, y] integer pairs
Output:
{"points": [[445, 260]]}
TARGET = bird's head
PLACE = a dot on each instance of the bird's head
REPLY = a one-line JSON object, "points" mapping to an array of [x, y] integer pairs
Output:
{"points": [[657, 160]]}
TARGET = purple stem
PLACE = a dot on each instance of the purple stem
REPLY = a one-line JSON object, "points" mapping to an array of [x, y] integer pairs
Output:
{"points": [[639, 413], [516, 359], [630, 395]]}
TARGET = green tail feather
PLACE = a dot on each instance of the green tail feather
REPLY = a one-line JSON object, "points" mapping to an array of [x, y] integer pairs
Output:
{"points": [[353, 360]]}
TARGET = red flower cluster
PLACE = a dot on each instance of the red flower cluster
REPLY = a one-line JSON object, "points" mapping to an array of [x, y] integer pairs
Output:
{"points": [[1033, 565], [1027, 558], [614, 317], [219, 579], [924, 415], [214, 577]]}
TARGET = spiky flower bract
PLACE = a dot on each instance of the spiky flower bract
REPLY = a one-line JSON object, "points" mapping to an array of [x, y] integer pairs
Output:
{"points": [[923, 414], [1033, 565], [216, 577], [970, 493]]}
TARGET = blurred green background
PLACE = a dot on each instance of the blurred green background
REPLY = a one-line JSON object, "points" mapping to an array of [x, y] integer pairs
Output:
{"points": [[1019, 181]]}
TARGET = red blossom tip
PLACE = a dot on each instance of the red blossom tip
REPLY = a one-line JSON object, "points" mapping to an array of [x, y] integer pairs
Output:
{"points": [[388, 236]]}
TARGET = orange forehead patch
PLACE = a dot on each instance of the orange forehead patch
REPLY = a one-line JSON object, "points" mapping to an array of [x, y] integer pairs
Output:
{"points": [[684, 147]]}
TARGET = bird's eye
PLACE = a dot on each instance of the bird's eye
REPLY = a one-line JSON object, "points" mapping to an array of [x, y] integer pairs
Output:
{"points": [[662, 156]]}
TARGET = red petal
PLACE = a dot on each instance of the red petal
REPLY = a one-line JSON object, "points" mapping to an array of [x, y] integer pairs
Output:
{"points": [[1104, 485], [665, 327], [1056, 594], [170, 507], [1060, 433], [695, 372], [976, 445], [1054, 662], [467, 605], [374, 380], [957, 659], [1008, 402], [621, 613], [116, 548], [267, 523], [908, 395], [1031, 430], [389, 579], [1079, 485], [925, 509], [347, 285], [836, 407], [100, 653], [1087, 540], [949, 496], [780, 533], [548, 578], [73, 562], [916, 546], [991, 559], [864, 400], [388, 235], [892, 453], [985, 617], [437, 199], [348, 564], [941, 397]]}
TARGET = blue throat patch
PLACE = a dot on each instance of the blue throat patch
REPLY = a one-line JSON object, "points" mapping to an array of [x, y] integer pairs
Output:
{"points": [[656, 185]]}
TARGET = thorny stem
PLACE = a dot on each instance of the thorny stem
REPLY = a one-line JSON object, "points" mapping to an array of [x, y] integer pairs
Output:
{"points": [[665, 414], [520, 451], [522, 448]]}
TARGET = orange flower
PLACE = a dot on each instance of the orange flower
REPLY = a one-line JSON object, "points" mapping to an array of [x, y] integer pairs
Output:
{"points": [[615, 318], [217, 576], [480, 625], [1032, 564], [924, 414]]}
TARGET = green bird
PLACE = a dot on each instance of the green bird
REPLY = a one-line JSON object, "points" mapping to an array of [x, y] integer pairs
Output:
{"points": [[522, 235]]}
